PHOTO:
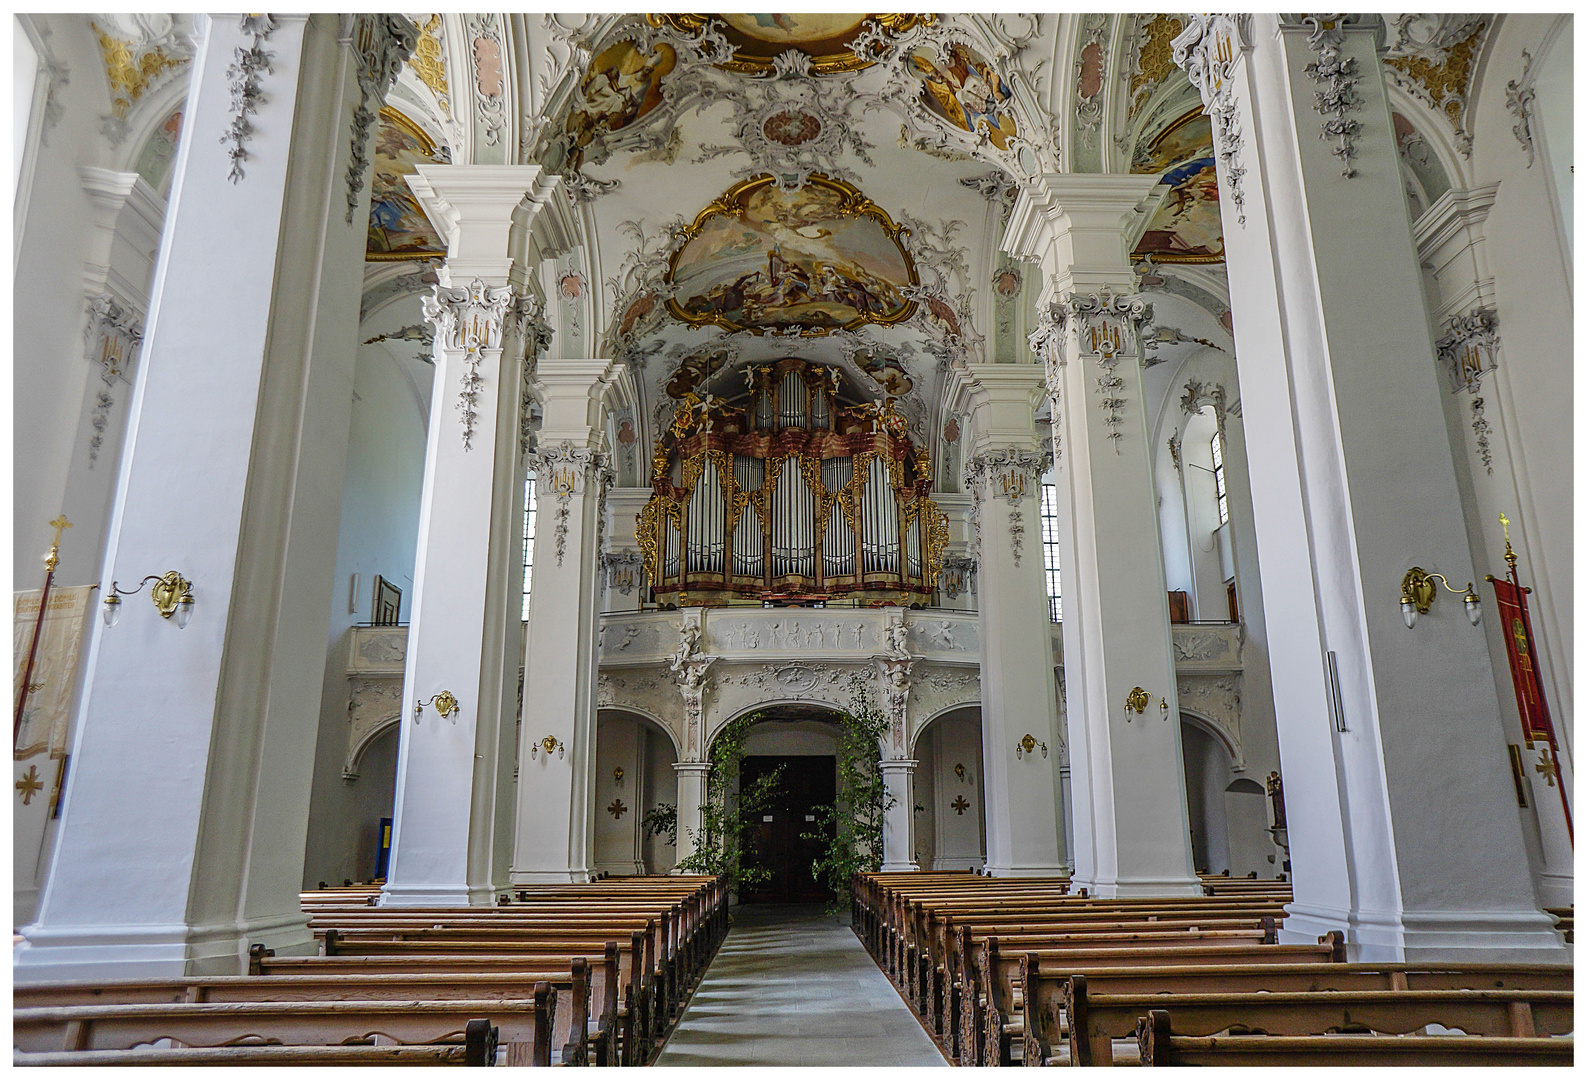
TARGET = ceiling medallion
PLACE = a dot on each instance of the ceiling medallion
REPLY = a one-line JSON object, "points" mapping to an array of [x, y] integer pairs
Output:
{"points": [[809, 261], [827, 39], [791, 127]]}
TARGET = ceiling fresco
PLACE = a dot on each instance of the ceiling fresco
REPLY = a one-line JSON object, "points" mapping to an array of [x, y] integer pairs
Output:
{"points": [[398, 228], [817, 259], [1187, 226], [827, 39]]}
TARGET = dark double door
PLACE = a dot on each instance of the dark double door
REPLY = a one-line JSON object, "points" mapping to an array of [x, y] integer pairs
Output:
{"points": [[777, 838]]}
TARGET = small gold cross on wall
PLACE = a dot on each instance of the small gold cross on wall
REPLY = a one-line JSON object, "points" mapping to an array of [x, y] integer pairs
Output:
{"points": [[960, 805], [29, 785], [617, 809], [1546, 767]]}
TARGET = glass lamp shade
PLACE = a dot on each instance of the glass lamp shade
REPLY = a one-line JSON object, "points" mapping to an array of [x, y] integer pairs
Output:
{"points": [[1408, 609], [184, 610], [111, 610], [1473, 608]]}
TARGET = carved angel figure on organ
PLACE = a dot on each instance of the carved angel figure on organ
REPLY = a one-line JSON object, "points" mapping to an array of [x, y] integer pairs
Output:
{"points": [[689, 639], [897, 639]]}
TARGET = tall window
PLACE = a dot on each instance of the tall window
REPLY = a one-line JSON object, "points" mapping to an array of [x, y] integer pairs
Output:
{"points": [[528, 538], [1049, 550], [1217, 478]]}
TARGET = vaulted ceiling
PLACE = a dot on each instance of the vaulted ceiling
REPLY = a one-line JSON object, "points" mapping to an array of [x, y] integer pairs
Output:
{"points": [[746, 187]]}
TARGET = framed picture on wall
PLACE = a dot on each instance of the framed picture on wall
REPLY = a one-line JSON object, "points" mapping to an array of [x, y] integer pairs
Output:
{"points": [[387, 603]]}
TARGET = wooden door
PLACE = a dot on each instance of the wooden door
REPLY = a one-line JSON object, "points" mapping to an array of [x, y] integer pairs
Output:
{"points": [[778, 838]]}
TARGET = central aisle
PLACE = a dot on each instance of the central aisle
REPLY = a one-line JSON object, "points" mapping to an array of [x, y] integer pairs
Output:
{"points": [[791, 987]]}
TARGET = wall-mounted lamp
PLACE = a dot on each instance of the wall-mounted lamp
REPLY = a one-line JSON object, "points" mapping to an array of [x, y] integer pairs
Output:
{"points": [[1028, 745], [958, 770], [172, 595], [1417, 593], [1138, 700], [550, 744], [617, 775], [445, 704]]}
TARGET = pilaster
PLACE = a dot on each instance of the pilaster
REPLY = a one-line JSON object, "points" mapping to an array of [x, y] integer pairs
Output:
{"points": [[454, 771], [1131, 831], [898, 832], [555, 813], [1024, 837], [1403, 826], [187, 798]]}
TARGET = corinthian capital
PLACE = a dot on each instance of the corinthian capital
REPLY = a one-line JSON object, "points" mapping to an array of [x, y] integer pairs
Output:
{"points": [[469, 319]]}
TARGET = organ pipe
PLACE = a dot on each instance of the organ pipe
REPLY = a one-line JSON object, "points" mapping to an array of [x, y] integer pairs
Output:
{"points": [[795, 487]]}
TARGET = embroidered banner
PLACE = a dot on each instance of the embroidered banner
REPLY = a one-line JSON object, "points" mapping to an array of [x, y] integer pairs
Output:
{"points": [[1523, 671], [48, 709]]}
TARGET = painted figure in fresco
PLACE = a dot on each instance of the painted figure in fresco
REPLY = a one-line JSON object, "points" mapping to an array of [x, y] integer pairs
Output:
{"points": [[621, 86], [1188, 224], [965, 90]]}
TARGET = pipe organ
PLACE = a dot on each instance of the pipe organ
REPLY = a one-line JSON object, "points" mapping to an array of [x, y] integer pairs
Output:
{"points": [[790, 487]]}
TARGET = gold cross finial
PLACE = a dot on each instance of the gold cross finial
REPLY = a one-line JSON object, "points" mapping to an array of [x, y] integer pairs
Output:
{"points": [[54, 556], [29, 785], [1509, 552], [1546, 767]]}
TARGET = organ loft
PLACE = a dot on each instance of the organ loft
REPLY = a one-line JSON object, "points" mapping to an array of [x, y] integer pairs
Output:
{"points": [[858, 539]]}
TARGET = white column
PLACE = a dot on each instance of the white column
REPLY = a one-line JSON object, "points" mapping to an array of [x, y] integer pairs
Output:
{"points": [[185, 814], [1403, 827], [691, 797], [1132, 833], [555, 813], [1024, 837], [898, 839], [450, 769]]}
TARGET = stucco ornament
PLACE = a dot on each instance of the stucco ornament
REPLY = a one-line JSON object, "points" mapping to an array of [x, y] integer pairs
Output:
{"points": [[1207, 50], [469, 321]]}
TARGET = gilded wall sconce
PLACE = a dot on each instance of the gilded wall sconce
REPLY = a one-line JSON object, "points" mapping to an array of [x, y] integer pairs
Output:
{"points": [[445, 705], [1138, 700], [1417, 593], [1028, 745], [617, 775], [958, 770], [172, 595], [551, 745]]}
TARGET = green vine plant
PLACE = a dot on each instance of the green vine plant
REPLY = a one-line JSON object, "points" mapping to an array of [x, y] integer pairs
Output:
{"points": [[852, 827], [724, 841]]}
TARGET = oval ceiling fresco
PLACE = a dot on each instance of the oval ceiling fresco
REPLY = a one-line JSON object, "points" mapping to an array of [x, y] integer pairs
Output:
{"points": [[826, 38], [818, 259]]}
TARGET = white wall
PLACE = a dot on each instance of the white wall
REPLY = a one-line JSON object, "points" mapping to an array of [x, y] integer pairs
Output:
{"points": [[958, 841], [379, 533]]}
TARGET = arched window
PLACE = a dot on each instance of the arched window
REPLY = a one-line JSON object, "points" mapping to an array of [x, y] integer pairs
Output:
{"points": [[1049, 550], [528, 538], [1217, 478]]}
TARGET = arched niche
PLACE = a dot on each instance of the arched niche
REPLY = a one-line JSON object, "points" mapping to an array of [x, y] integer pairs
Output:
{"points": [[949, 809], [1228, 811], [634, 758]]}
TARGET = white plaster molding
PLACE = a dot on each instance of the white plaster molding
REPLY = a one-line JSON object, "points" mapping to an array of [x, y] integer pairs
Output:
{"points": [[381, 44], [1337, 78], [469, 321], [1519, 96], [1207, 49], [247, 91], [113, 336]]}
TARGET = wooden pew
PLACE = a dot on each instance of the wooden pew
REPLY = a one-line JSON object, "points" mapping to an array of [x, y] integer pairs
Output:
{"points": [[1095, 1020], [992, 989], [617, 989], [477, 1049], [1045, 991], [524, 1027], [1160, 1046]]}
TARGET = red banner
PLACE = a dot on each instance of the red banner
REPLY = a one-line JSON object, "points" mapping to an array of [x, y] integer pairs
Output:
{"points": [[1519, 645]]}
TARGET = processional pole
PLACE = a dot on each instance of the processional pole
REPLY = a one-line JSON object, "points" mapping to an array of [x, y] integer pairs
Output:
{"points": [[1520, 646], [50, 561]]}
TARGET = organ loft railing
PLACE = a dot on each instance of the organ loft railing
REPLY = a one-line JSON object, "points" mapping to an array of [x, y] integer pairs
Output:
{"points": [[790, 487]]}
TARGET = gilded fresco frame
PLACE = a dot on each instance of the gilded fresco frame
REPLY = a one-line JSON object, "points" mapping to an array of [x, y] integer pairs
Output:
{"points": [[854, 204]]}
